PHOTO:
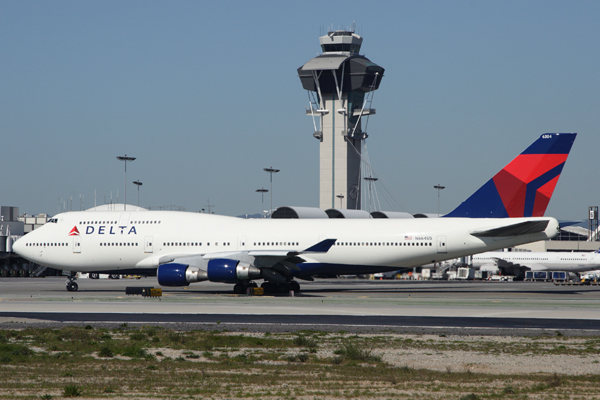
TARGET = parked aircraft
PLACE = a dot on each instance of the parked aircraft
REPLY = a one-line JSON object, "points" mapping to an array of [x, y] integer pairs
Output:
{"points": [[183, 247], [514, 262]]}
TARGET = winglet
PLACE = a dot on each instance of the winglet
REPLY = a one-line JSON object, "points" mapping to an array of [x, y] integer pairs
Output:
{"points": [[524, 187], [321, 247]]}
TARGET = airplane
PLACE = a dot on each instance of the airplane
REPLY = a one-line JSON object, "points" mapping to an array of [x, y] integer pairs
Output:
{"points": [[516, 261], [183, 247]]}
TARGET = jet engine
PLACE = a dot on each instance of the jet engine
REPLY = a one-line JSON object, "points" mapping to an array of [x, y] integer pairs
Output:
{"points": [[231, 271], [175, 274]]}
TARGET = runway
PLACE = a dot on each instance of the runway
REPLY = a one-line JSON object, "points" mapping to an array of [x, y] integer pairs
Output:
{"points": [[340, 304]]}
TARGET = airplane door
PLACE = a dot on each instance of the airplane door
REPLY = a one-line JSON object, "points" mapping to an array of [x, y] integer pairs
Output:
{"points": [[148, 244], [76, 244], [124, 219], [441, 244]]}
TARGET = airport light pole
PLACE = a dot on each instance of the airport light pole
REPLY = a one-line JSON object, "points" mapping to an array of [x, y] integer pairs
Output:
{"points": [[125, 159], [262, 192], [341, 197], [439, 189], [138, 184], [271, 171]]}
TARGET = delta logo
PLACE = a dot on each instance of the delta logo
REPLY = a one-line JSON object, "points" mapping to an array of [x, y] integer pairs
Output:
{"points": [[104, 230]]}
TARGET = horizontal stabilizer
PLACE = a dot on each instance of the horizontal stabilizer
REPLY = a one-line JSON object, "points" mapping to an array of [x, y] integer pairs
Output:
{"points": [[522, 228]]}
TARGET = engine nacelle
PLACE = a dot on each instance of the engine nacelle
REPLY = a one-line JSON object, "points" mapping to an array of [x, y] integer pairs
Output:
{"points": [[175, 274], [231, 271]]}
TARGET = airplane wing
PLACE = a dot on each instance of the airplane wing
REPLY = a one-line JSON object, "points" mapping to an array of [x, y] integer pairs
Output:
{"points": [[514, 266], [500, 262], [274, 264], [260, 258]]}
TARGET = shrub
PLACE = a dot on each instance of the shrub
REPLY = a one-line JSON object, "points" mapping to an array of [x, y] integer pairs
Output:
{"points": [[349, 351], [337, 360], [137, 336], [105, 352], [134, 352], [305, 341], [18, 350], [71, 391], [554, 381], [508, 390]]}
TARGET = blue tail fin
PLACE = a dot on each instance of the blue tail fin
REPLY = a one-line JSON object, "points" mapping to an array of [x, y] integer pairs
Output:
{"points": [[524, 187]]}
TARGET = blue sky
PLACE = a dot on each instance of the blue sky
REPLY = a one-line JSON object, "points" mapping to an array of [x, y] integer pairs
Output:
{"points": [[206, 95]]}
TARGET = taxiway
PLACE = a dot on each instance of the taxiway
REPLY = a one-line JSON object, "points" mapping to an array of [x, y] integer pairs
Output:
{"points": [[335, 304]]}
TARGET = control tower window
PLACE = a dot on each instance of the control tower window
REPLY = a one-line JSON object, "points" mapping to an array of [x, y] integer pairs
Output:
{"points": [[347, 47]]}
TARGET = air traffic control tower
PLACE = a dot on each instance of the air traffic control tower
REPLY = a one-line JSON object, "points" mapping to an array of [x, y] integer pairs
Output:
{"points": [[340, 84]]}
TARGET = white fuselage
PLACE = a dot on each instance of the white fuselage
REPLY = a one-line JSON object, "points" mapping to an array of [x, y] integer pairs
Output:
{"points": [[110, 240], [540, 261]]}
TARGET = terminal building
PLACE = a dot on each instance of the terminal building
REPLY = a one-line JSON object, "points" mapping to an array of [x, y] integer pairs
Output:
{"points": [[12, 227]]}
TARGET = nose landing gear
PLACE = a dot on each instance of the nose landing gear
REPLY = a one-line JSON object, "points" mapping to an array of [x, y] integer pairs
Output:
{"points": [[71, 284]]}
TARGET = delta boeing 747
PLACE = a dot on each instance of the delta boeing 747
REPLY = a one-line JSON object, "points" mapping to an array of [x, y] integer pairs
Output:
{"points": [[183, 247]]}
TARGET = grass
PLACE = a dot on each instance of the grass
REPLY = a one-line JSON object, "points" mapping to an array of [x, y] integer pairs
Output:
{"points": [[152, 362], [71, 391], [349, 351], [305, 341]]}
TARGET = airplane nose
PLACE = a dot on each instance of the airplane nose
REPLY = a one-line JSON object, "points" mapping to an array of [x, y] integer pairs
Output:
{"points": [[18, 246]]}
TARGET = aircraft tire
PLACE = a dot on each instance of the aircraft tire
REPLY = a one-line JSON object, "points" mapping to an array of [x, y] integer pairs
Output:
{"points": [[94, 275], [72, 287], [269, 287], [295, 286], [114, 276], [239, 288]]}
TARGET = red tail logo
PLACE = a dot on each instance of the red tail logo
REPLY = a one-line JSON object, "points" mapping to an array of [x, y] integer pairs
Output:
{"points": [[74, 231]]}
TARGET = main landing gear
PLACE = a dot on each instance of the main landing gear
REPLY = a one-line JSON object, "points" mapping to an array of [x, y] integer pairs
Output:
{"points": [[71, 284], [269, 287], [272, 287], [242, 287]]}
